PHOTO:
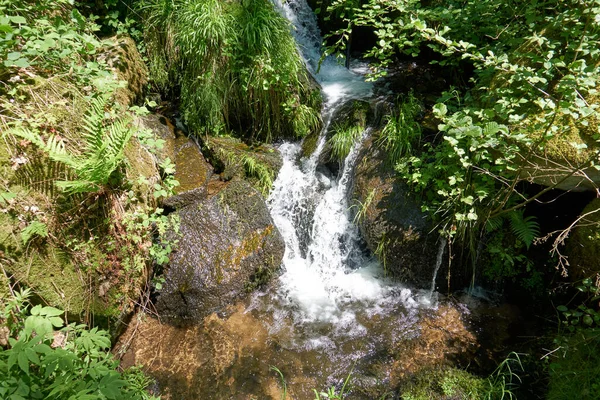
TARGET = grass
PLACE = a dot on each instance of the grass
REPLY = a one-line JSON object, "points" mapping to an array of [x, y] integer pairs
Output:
{"points": [[401, 133], [235, 64], [343, 139]]}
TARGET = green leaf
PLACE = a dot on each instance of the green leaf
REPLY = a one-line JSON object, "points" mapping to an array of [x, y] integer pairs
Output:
{"points": [[51, 312], [439, 110], [17, 19], [15, 55], [23, 362], [20, 63], [562, 308]]}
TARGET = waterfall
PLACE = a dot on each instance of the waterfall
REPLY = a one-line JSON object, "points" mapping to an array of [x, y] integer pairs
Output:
{"points": [[438, 264], [327, 275]]}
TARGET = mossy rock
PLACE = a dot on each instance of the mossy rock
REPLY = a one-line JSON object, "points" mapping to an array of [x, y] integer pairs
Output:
{"points": [[228, 245], [232, 158], [391, 220], [141, 164], [127, 64], [445, 384], [353, 114], [55, 280], [583, 245], [163, 129]]}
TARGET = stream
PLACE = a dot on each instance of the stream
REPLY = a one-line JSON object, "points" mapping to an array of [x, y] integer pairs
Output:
{"points": [[331, 314]]}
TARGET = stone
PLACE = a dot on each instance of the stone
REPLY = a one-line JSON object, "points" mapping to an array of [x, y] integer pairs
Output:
{"points": [[392, 224], [228, 245], [192, 172], [127, 65], [230, 157]]}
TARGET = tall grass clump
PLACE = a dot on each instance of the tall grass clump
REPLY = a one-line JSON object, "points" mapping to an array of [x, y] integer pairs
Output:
{"points": [[235, 66], [401, 133], [343, 139]]}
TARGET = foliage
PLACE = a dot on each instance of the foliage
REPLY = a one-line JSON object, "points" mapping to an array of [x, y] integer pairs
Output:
{"points": [[236, 65], [574, 366], [452, 383], [258, 170], [282, 378], [534, 80], [50, 360], [35, 228], [333, 393], [59, 112], [97, 166], [401, 133], [343, 139], [587, 313]]}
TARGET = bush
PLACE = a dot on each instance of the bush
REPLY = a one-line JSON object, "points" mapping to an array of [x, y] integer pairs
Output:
{"points": [[45, 359]]}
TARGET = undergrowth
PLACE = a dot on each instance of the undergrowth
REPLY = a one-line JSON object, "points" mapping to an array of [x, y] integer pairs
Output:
{"points": [[235, 64]]}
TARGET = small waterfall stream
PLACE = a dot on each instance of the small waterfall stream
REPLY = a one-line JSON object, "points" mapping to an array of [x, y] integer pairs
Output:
{"points": [[326, 272]]}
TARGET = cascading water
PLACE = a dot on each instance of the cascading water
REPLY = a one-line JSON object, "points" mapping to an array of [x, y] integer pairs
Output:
{"points": [[327, 276]]}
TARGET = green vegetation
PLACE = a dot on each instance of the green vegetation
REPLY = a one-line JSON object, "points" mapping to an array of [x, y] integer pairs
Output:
{"points": [[401, 133], [80, 192], [235, 65], [530, 101], [47, 359], [453, 383]]}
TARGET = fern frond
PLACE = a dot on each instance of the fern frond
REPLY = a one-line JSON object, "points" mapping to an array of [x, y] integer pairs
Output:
{"points": [[525, 228], [54, 146], [35, 228], [493, 224], [27, 134], [93, 125]]}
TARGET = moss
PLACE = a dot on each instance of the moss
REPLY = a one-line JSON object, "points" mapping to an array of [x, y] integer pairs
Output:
{"points": [[140, 164], [309, 144], [228, 156], [575, 370], [449, 383], [192, 171], [128, 66]]}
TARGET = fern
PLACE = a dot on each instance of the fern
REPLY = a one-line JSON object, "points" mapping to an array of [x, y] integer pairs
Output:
{"points": [[525, 228], [5, 197], [35, 228], [105, 142]]}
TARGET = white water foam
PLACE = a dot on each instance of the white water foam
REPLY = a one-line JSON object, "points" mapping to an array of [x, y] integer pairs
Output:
{"points": [[327, 276]]}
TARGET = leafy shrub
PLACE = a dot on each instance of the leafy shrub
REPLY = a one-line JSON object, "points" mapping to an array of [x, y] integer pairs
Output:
{"points": [[47, 360]]}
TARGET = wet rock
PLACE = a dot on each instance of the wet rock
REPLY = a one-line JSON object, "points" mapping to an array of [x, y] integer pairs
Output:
{"points": [[228, 245], [232, 158], [192, 172], [203, 361], [583, 245], [391, 221], [163, 129]]}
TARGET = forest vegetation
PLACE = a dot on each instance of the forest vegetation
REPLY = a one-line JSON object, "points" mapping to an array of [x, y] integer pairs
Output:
{"points": [[82, 185]]}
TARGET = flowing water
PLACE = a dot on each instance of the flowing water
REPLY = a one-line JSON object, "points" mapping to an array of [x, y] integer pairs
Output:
{"points": [[331, 312]]}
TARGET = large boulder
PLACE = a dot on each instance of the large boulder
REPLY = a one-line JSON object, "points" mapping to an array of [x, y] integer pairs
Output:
{"points": [[391, 221], [127, 64], [228, 245]]}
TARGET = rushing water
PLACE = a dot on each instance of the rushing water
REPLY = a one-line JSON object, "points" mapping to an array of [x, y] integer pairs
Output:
{"points": [[331, 312], [327, 275]]}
